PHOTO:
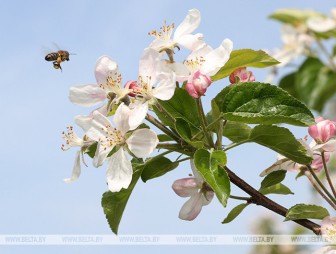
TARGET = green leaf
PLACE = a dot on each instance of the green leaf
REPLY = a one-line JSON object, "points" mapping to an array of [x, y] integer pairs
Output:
{"points": [[287, 83], [186, 131], [273, 178], [164, 138], [294, 16], [303, 211], [261, 103], [276, 189], [237, 132], [244, 58], [210, 166], [91, 150], [114, 203], [234, 213], [156, 167], [315, 83], [181, 105]]}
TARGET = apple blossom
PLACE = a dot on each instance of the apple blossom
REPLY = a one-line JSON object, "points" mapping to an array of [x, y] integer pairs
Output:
{"points": [[72, 140], [322, 24], [197, 189], [109, 85], [328, 228], [323, 131], [141, 143], [241, 75], [182, 35]]}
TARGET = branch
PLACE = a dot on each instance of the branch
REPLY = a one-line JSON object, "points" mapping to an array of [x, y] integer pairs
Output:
{"points": [[260, 199]]}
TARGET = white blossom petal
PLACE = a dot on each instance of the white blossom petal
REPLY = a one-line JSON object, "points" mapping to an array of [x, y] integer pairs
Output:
{"points": [[217, 58], [326, 250], [142, 142], [76, 171], [105, 66], [137, 114], [85, 122], [191, 41], [101, 155], [189, 24], [321, 24], [166, 87], [191, 208], [185, 187], [149, 62], [86, 95], [119, 172], [121, 118]]}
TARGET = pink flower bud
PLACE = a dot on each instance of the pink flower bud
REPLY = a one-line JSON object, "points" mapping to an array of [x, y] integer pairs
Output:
{"points": [[317, 163], [133, 85], [323, 131], [198, 84], [241, 75]]}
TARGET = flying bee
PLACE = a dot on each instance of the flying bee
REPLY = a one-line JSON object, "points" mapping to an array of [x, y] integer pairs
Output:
{"points": [[57, 58]]}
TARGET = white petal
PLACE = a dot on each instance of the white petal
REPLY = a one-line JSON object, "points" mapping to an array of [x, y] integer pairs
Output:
{"points": [[76, 171], [166, 87], [181, 71], [191, 41], [121, 118], [119, 171], [137, 114], [100, 122], [191, 208], [189, 24], [142, 142], [326, 250], [105, 66], [148, 63], [185, 187], [217, 58], [100, 155], [86, 95], [85, 122], [159, 44], [320, 24]]}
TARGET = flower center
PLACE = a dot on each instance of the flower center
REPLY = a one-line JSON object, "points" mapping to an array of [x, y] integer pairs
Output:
{"points": [[195, 63], [112, 137], [71, 139], [164, 32], [113, 82]]}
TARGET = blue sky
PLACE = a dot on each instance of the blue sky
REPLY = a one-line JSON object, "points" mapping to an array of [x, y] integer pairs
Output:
{"points": [[35, 110]]}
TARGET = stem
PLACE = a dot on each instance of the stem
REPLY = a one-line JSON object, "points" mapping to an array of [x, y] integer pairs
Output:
{"points": [[220, 135], [162, 127], [208, 127], [176, 148], [260, 199], [325, 51], [328, 175], [309, 176], [321, 184], [240, 198], [204, 122], [233, 145], [184, 159]]}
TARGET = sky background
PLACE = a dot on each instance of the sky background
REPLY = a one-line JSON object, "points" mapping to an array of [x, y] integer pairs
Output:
{"points": [[35, 110]]}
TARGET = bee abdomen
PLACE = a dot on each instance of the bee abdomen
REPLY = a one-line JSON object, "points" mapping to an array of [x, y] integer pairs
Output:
{"points": [[51, 57]]}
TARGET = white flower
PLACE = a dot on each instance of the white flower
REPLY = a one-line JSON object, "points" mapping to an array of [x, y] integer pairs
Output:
{"points": [[322, 24], [205, 60], [141, 143], [72, 140], [109, 85], [182, 35], [326, 250], [198, 191], [328, 228], [296, 41], [153, 83]]}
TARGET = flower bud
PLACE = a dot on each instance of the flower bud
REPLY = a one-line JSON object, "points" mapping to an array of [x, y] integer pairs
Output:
{"points": [[133, 85], [323, 131], [241, 75], [198, 84]]}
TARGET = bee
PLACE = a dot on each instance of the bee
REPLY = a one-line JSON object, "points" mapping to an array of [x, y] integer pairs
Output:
{"points": [[57, 58]]}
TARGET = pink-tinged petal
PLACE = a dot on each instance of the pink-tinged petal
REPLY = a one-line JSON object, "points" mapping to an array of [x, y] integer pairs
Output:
{"points": [[86, 95], [76, 171], [166, 87], [137, 114], [328, 228], [189, 24], [85, 122], [217, 58], [121, 118], [191, 209], [105, 66], [142, 142], [329, 146], [191, 41], [149, 62], [159, 44], [119, 171], [326, 250], [181, 71], [185, 187], [207, 197], [100, 122], [101, 155]]}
